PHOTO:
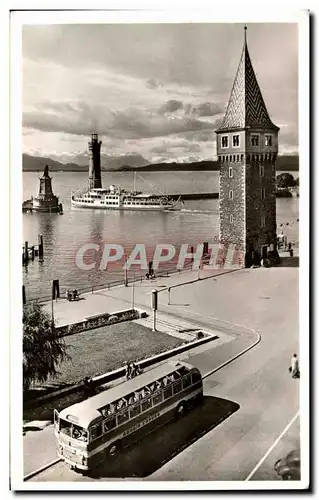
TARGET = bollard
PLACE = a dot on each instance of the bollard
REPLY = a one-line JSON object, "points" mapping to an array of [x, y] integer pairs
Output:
{"points": [[55, 289], [192, 252], [40, 241], [26, 252], [23, 295]]}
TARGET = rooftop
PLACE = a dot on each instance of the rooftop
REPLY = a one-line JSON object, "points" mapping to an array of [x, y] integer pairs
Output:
{"points": [[246, 107]]}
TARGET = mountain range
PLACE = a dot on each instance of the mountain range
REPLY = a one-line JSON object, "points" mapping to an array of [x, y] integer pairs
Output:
{"points": [[134, 161]]}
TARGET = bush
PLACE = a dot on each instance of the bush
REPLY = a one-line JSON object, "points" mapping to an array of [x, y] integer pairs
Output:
{"points": [[43, 348], [285, 180]]}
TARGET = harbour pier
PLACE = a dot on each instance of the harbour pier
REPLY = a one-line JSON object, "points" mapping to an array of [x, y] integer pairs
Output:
{"points": [[30, 252]]}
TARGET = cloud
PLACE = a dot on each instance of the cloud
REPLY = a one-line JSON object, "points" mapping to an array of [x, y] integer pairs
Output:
{"points": [[204, 109], [170, 106], [81, 118], [153, 84]]}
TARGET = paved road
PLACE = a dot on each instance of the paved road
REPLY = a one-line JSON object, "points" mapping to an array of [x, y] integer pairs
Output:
{"points": [[248, 403]]}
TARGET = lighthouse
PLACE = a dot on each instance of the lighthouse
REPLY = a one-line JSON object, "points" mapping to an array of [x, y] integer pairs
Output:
{"points": [[46, 201], [95, 162], [247, 148]]}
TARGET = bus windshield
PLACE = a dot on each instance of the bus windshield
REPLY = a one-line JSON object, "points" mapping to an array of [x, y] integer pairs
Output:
{"points": [[74, 431]]}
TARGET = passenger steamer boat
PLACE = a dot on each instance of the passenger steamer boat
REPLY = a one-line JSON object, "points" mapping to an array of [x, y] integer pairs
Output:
{"points": [[115, 197]]}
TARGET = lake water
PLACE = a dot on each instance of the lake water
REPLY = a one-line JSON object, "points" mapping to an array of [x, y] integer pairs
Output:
{"points": [[64, 235]]}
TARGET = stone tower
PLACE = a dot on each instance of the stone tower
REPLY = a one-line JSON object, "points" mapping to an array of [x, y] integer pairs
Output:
{"points": [[46, 201], [95, 162], [247, 147]]}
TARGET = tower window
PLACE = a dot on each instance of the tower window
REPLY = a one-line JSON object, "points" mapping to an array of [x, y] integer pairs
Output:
{"points": [[261, 171], [255, 140], [231, 194], [235, 141], [263, 221], [230, 171], [224, 141], [268, 140], [231, 218], [262, 191]]}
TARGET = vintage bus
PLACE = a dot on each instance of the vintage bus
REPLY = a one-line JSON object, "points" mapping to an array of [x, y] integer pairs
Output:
{"points": [[101, 425]]}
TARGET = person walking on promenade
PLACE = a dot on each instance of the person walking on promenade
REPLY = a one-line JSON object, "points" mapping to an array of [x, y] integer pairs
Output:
{"points": [[128, 370], [294, 367]]}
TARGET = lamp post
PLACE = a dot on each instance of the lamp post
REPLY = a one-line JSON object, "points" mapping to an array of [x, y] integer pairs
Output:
{"points": [[198, 276], [133, 290], [125, 271], [154, 307]]}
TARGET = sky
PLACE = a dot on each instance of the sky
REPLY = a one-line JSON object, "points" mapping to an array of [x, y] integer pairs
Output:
{"points": [[158, 90]]}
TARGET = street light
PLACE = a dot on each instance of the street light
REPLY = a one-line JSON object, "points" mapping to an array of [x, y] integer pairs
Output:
{"points": [[125, 271], [133, 290], [154, 307]]}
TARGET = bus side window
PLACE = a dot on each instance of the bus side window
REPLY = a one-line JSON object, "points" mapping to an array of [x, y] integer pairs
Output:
{"points": [[122, 417], [196, 377], [177, 387], [135, 410], [157, 398], [146, 404], [168, 392], [186, 381], [96, 431], [109, 424]]}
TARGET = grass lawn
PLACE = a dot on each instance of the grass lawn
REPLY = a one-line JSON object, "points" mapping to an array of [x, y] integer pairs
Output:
{"points": [[98, 351]]}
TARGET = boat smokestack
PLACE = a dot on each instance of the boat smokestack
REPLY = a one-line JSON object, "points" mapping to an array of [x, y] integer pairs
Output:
{"points": [[95, 162]]}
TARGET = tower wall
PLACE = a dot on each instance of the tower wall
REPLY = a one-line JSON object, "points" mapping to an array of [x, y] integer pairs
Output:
{"points": [[95, 162], [232, 211], [260, 203]]}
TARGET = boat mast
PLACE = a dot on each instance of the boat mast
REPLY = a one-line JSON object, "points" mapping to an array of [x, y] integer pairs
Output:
{"points": [[134, 181]]}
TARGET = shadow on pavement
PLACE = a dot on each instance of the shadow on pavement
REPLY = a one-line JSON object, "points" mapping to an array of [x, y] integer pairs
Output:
{"points": [[179, 304], [153, 451], [288, 262]]}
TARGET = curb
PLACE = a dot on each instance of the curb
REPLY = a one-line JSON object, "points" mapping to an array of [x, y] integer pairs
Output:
{"points": [[234, 357], [201, 279], [41, 469]]}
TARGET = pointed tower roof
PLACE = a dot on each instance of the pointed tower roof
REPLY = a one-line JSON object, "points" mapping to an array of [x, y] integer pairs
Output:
{"points": [[246, 107]]}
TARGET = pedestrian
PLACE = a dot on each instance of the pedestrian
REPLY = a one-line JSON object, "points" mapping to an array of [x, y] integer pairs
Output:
{"points": [[294, 366], [138, 370], [128, 370], [134, 370]]}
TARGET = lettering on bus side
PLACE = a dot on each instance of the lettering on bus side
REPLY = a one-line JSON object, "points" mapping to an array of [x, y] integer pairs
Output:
{"points": [[141, 424]]}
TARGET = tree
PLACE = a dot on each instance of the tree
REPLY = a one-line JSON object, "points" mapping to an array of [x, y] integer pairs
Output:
{"points": [[285, 180], [43, 349]]}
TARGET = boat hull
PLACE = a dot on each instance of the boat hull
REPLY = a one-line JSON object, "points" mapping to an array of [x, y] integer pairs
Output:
{"points": [[151, 208]]}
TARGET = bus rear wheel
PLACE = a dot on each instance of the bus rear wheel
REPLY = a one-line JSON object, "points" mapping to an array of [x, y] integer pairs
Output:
{"points": [[181, 409], [113, 449]]}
